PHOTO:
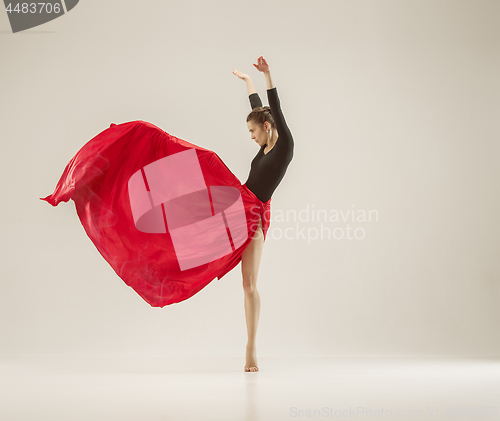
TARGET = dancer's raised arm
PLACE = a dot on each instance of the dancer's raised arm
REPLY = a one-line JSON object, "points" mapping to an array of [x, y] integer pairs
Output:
{"points": [[247, 80], [255, 101], [286, 143]]}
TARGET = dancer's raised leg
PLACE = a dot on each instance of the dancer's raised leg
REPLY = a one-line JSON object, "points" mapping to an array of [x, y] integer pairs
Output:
{"points": [[250, 261]]}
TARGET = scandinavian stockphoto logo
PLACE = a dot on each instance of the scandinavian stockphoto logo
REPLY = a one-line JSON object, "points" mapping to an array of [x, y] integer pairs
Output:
{"points": [[204, 222], [24, 15]]}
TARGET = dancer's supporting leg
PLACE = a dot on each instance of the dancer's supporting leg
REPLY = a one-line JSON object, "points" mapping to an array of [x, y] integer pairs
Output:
{"points": [[250, 261]]}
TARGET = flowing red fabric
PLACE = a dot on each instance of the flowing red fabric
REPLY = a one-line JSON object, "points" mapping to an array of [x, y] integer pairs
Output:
{"points": [[167, 215]]}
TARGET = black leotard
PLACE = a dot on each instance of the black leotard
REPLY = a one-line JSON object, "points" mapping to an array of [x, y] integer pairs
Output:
{"points": [[267, 170]]}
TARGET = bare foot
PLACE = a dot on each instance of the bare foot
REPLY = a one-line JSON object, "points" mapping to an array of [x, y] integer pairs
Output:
{"points": [[251, 359]]}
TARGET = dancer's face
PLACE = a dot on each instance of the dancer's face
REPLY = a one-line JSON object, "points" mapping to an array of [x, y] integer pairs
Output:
{"points": [[258, 133]]}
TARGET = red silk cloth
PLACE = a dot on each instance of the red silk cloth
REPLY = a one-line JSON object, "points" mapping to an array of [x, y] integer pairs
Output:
{"points": [[167, 215]]}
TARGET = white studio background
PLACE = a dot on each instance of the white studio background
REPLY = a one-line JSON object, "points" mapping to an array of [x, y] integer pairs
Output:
{"points": [[394, 106]]}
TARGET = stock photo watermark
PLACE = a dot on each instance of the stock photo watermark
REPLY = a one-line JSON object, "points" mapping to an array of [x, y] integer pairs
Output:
{"points": [[366, 412], [311, 224], [25, 14]]}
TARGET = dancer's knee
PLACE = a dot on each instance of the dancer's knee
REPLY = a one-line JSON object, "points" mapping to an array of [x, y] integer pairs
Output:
{"points": [[249, 283]]}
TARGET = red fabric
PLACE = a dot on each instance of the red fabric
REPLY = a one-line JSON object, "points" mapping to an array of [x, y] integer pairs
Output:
{"points": [[117, 181]]}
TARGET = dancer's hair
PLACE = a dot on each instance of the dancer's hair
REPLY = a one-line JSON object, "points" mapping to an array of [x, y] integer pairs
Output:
{"points": [[260, 115]]}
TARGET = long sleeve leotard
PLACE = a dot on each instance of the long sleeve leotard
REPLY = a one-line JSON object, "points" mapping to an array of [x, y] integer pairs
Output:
{"points": [[268, 169]]}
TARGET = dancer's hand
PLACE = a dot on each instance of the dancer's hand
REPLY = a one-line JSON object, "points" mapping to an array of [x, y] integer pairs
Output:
{"points": [[262, 65], [242, 76]]}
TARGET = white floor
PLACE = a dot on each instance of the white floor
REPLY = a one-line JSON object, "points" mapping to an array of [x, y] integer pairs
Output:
{"points": [[108, 389]]}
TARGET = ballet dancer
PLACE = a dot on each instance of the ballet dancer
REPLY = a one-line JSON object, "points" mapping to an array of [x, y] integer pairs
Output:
{"points": [[269, 130]]}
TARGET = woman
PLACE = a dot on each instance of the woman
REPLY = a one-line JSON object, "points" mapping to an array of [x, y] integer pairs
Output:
{"points": [[268, 168], [169, 216]]}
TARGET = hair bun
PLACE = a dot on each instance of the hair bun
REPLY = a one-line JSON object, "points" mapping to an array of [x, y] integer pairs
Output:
{"points": [[260, 115]]}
